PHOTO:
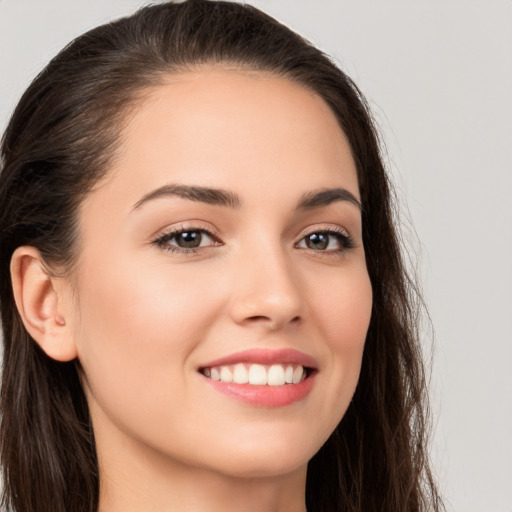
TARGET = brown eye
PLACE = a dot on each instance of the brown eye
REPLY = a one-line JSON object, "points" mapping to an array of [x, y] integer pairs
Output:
{"points": [[188, 239], [317, 241], [326, 241]]}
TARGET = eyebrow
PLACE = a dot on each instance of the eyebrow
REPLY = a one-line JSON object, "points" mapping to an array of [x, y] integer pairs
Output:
{"points": [[326, 197], [207, 195], [219, 197]]}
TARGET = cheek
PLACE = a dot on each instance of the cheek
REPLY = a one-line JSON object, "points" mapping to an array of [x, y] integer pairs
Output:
{"points": [[344, 310], [139, 327], [343, 315], [142, 304], [137, 332]]}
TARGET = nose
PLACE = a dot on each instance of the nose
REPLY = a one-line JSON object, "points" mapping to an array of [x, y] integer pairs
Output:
{"points": [[267, 291]]}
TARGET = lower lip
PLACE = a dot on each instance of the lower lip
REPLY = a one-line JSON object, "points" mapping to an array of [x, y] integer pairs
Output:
{"points": [[265, 396]]}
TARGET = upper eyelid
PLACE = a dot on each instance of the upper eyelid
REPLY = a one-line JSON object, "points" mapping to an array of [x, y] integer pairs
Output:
{"points": [[336, 233], [324, 228], [180, 228]]}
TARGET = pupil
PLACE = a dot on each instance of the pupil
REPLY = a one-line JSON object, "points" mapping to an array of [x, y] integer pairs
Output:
{"points": [[189, 239], [317, 241]]}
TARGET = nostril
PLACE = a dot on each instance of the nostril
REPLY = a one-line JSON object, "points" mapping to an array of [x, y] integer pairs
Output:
{"points": [[263, 318], [258, 318]]}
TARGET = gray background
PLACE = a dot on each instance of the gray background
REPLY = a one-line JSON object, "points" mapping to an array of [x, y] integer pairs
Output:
{"points": [[438, 74]]}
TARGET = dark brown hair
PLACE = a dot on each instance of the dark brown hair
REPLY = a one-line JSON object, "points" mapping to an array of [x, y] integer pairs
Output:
{"points": [[62, 139]]}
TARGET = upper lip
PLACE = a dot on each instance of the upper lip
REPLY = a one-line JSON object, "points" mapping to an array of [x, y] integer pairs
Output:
{"points": [[265, 356]]}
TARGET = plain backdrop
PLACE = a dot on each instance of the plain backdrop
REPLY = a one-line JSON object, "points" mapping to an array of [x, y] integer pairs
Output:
{"points": [[438, 75]]}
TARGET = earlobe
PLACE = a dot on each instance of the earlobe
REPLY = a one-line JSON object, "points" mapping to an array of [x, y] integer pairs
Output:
{"points": [[38, 297]]}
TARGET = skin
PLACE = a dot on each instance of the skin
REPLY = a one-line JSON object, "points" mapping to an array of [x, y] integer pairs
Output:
{"points": [[142, 319]]}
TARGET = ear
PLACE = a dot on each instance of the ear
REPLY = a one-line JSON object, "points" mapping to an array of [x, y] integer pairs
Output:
{"points": [[39, 297]]}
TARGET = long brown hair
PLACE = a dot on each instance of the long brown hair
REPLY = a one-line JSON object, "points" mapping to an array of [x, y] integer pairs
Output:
{"points": [[61, 140]]}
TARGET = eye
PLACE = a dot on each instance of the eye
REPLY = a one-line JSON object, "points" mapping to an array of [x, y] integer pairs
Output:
{"points": [[186, 240], [326, 241]]}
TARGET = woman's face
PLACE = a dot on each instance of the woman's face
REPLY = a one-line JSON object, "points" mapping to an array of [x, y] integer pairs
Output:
{"points": [[224, 243]]}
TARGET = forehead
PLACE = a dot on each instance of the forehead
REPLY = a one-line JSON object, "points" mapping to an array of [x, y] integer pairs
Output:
{"points": [[232, 128]]}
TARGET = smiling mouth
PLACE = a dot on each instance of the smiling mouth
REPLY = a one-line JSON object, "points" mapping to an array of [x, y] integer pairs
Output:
{"points": [[258, 374]]}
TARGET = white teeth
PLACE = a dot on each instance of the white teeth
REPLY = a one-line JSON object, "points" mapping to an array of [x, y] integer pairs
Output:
{"points": [[225, 374], [297, 374], [257, 374], [240, 374], [276, 375], [288, 374]]}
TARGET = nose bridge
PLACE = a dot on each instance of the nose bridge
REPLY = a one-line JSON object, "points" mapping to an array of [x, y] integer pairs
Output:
{"points": [[267, 290]]}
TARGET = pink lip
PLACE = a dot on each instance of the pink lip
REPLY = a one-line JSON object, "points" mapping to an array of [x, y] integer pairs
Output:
{"points": [[265, 396], [265, 356]]}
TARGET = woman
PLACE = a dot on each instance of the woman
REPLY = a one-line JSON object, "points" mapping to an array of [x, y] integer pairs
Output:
{"points": [[203, 299]]}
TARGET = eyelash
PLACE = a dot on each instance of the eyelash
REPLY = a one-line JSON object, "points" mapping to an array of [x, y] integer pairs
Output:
{"points": [[344, 240], [163, 240]]}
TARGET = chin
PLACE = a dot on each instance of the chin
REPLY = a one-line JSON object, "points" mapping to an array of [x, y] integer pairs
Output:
{"points": [[274, 466], [266, 456]]}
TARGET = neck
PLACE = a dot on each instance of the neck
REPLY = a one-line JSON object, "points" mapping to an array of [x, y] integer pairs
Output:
{"points": [[132, 481]]}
